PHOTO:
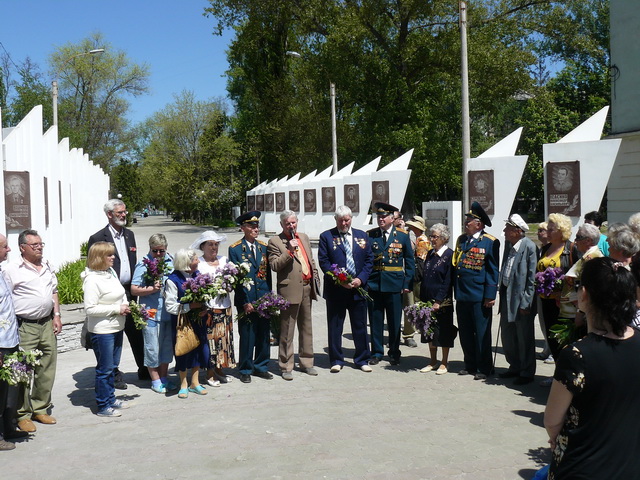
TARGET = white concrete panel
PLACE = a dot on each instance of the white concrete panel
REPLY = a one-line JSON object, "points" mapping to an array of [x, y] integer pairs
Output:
{"points": [[506, 147], [589, 130]]}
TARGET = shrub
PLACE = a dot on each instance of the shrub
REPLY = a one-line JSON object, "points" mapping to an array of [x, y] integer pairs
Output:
{"points": [[84, 249], [70, 283]]}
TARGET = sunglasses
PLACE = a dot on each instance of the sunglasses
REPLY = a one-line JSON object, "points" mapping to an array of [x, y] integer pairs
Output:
{"points": [[158, 251]]}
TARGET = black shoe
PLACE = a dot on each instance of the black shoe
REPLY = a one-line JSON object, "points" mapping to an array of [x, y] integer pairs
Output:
{"points": [[244, 378], [508, 374], [523, 380], [16, 434], [394, 361], [143, 374], [120, 385], [374, 361], [265, 375]]}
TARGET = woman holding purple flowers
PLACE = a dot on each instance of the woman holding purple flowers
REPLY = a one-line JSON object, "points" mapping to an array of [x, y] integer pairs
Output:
{"points": [[219, 319], [559, 252], [185, 266], [149, 278], [437, 287]]}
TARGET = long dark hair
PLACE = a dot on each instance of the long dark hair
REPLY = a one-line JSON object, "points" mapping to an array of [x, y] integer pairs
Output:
{"points": [[612, 293]]}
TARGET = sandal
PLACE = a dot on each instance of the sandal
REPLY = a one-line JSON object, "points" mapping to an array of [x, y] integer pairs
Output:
{"points": [[199, 390], [183, 393]]}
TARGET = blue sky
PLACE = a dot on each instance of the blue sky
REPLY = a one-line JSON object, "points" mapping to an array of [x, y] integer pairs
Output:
{"points": [[172, 37]]}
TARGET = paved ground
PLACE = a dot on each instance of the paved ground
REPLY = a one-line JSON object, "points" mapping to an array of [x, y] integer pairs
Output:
{"points": [[392, 423]]}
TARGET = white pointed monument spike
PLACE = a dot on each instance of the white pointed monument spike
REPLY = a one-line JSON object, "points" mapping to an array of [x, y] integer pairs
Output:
{"points": [[588, 131], [400, 163], [345, 172], [283, 180], [326, 173], [309, 177], [293, 179], [369, 167], [505, 147]]}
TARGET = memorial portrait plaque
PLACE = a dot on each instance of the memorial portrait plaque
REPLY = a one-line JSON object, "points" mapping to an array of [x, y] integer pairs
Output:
{"points": [[436, 215], [280, 202], [328, 199], [481, 189], [17, 200], [260, 203], [310, 201], [563, 188], [380, 191], [294, 201], [268, 202], [352, 197], [251, 203]]}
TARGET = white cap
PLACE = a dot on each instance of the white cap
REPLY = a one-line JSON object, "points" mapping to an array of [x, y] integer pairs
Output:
{"points": [[517, 221], [207, 236]]}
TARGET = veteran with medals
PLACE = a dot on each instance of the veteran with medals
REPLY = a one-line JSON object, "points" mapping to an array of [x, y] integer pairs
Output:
{"points": [[475, 285], [253, 330], [393, 267]]}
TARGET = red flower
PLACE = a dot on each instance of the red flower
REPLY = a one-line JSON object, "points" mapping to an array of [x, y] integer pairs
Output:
{"points": [[132, 249], [342, 277]]}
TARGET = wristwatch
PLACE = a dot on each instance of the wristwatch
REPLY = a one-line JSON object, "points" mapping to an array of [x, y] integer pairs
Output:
{"points": [[57, 314]]}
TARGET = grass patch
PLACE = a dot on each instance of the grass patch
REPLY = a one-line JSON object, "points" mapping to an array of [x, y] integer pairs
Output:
{"points": [[70, 283]]}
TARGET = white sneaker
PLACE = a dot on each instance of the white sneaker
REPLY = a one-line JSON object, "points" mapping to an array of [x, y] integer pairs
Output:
{"points": [[109, 412], [427, 369], [549, 359], [336, 368], [120, 405], [366, 368]]}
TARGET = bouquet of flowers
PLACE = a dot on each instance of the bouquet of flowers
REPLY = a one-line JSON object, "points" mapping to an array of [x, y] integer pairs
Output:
{"points": [[157, 268], [549, 281], [421, 316], [340, 276], [140, 314], [269, 306], [230, 276], [564, 331], [199, 289], [17, 367]]}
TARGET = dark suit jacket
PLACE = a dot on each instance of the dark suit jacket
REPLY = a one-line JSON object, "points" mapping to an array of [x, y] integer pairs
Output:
{"points": [[522, 277], [104, 235], [288, 268], [476, 262], [331, 251], [393, 262], [437, 277], [260, 272]]}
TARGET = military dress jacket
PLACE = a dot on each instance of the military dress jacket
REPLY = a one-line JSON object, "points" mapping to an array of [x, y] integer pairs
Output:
{"points": [[259, 272], [477, 267], [393, 261]]}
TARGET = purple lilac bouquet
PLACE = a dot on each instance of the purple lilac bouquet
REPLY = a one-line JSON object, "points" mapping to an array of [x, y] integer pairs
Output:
{"points": [[17, 367], [199, 289], [269, 306], [157, 268], [421, 315], [342, 277], [140, 314], [230, 276], [549, 281]]}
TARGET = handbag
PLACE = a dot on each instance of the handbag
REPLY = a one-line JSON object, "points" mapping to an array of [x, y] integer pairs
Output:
{"points": [[186, 338], [85, 335]]}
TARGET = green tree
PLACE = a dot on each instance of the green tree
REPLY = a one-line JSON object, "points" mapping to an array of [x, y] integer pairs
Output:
{"points": [[126, 181], [93, 91], [29, 92]]}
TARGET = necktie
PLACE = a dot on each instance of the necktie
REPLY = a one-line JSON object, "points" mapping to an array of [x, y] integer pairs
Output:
{"points": [[385, 235], [351, 266], [303, 262], [252, 249]]}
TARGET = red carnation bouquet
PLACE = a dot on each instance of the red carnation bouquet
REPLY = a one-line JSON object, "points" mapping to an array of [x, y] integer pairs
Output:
{"points": [[342, 277]]}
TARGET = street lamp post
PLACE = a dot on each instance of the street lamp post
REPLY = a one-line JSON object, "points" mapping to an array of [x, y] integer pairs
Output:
{"points": [[54, 83], [334, 136]]}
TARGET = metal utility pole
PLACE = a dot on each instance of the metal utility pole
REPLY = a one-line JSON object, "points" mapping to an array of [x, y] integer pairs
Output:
{"points": [[334, 137], [466, 129]]}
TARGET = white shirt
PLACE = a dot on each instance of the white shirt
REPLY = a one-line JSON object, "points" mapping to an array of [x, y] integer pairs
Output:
{"points": [[506, 271], [8, 324], [103, 296], [32, 291], [123, 254]]}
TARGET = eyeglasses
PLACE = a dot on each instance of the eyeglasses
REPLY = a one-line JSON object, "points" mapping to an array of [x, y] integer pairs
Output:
{"points": [[123, 212], [434, 236], [579, 237], [35, 245], [158, 250]]}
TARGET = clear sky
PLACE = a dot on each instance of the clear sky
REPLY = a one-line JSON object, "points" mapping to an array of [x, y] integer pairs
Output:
{"points": [[172, 37]]}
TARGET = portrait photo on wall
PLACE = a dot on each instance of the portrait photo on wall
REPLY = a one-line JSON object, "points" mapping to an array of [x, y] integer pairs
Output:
{"points": [[279, 201], [328, 199], [268, 202], [352, 197], [481, 189], [251, 203], [380, 191], [17, 200], [563, 188], [260, 203], [294, 201], [310, 201]]}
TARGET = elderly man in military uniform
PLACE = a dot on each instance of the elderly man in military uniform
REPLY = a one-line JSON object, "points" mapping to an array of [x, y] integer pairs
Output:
{"points": [[253, 330], [476, 284], [393, 267]]}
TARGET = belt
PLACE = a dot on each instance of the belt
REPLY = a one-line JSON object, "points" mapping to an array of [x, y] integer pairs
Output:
{"points": [[39, 321], [387, 269], [219, 310], [306, 282]]}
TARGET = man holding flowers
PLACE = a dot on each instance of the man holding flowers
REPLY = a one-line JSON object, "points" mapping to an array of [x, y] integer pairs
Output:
{"points": [[254, 330], [345, 257]]}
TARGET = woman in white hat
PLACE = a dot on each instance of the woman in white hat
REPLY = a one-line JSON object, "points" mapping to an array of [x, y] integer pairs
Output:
{"points": [[219, 319]]}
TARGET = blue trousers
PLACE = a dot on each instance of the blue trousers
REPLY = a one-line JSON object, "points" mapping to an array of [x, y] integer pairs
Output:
{"points": [[254, 335], [474, 324], [391, 304], [336, 313], [108, 348]]}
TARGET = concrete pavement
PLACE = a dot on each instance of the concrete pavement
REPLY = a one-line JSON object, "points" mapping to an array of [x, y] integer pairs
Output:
{"points": [[392, 423]]}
